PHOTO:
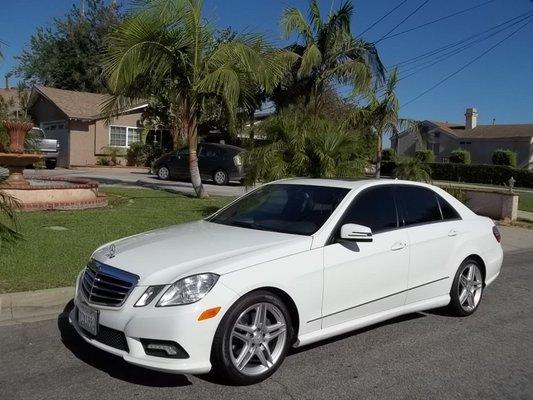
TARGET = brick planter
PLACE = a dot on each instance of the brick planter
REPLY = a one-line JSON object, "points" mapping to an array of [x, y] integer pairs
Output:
{"points": [[74, 194]]}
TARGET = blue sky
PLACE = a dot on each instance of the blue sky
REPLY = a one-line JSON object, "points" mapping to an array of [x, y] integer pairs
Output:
{"points": [[499, 85]]}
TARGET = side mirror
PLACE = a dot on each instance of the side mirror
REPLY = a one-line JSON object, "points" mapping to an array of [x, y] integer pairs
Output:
{"points": [[355, 232]]}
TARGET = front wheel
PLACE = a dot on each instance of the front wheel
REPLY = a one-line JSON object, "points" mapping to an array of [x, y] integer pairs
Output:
{"points": [[467, 289], [163, 173], [252, 339], [50, 164]]}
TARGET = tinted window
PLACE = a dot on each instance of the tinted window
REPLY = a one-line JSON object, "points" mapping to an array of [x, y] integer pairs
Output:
{"points": [[374, 208], [298, 209], [448, 212], [419, 205]]}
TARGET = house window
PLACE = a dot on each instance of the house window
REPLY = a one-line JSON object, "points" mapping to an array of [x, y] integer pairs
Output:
{"points": [[123, 136]]}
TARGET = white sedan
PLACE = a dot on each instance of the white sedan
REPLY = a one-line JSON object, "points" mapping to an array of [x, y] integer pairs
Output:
{"points": [[291, 263]]}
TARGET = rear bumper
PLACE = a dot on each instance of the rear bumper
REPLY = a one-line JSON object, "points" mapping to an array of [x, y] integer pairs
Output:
{"points": [[50, 154], [493, 263]]}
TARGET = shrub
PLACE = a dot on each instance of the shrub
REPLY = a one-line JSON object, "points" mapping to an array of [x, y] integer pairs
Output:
{"points": [[504, 157], [412, 169], [103, 160], [426, 156], [140, 154], [460, 156], [388, 154], [456, 192]]}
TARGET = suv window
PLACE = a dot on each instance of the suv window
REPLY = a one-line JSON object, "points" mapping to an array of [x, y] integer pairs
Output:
{"points": [[419, 205], [209, 152], [448, 212], [375, 208]]}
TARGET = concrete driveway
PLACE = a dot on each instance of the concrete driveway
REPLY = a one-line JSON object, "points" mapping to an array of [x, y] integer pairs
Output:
{"points": [[137, 177]]}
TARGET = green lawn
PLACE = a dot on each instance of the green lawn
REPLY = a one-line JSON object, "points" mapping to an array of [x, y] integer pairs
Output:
{"points": [[525, 201], [57, 244]]}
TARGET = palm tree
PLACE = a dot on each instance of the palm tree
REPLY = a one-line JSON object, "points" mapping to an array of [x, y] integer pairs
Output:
{"points": [[380, 116], [330, 55], [167, 46], [300, 143]]}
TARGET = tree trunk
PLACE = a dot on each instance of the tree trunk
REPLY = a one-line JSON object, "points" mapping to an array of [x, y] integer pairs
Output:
{"points": [[377, 174], [191, 127]]}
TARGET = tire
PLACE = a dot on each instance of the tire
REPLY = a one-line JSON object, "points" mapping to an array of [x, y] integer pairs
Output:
{"points": [[50, 164], [220, 177], [239, 355], [163, 173], [467, 289]]}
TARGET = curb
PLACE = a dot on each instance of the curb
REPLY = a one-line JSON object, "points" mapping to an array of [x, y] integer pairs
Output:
{"points": [[35, 305]]}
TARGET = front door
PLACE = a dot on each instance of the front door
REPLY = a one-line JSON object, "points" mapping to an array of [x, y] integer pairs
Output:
{"points": [[364, 278]]}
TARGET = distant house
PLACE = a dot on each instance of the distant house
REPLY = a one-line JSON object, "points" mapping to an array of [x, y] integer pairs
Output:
{"points": [[76, 120], [479, 140]]}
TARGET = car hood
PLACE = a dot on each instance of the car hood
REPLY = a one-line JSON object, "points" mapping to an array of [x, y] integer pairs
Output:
{"points": [[164, 255]]}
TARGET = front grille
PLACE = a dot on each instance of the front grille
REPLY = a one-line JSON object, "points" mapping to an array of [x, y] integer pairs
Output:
{"points": [[110, 337], [105, 285]]}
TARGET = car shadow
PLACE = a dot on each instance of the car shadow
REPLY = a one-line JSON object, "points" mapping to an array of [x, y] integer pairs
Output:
{"points": [[397, 320], [114, 366]]}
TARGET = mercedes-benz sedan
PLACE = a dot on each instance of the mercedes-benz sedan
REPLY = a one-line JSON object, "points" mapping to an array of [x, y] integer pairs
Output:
{"points": [[291, 263]]}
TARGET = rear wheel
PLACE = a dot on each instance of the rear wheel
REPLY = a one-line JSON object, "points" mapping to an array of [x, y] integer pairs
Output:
{"points": [[467, 288], [220, 177], [252, 339], [163, 173]]}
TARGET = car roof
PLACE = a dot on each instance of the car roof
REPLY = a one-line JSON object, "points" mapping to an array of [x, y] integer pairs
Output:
{"points": [[350, 183], [223, 146]]}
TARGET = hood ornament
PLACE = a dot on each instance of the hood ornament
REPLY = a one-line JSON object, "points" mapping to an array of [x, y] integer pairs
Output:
{"points": [[111, 251]]}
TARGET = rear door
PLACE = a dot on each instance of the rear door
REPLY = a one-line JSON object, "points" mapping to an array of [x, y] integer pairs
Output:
{"points": [[361, 278], [181, 163], [434, 228]]}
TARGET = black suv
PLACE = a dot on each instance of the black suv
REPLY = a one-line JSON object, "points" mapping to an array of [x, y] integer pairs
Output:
{"points": [[220, 162]]}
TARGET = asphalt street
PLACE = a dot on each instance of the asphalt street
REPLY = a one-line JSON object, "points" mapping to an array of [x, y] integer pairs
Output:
{"points": [[488, 355]]}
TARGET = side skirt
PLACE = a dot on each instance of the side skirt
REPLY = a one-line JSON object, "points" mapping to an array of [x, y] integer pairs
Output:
{"points": [[359, 323]]}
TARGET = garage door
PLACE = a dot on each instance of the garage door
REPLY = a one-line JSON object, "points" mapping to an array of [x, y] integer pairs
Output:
{"points": [[59, 130]]}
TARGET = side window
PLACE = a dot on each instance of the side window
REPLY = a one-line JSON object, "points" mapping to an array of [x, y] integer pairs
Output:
{"points": [[208, 152], [184, 152], [419, 205], [448, 212], [374, 208]]}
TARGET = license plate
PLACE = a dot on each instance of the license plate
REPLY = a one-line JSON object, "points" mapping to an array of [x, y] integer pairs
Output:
{"points": [[88, 319]]}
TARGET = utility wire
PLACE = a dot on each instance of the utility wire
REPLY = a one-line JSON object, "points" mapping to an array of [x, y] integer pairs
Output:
{"points": [[383, 17], [402, 21], [467, 64], [429, 63], [461, 41], [439, 19]]}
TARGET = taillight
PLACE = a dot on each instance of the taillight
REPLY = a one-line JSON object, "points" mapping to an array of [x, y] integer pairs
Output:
{"points": [[496, 233], [237, 160]]}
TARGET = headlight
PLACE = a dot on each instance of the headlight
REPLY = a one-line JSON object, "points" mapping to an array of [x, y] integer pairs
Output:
{"points": [[148, 295], [188, 290]]}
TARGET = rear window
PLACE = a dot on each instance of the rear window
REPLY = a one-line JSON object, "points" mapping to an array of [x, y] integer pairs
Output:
{"points": [[448, 212], [419, 205]]}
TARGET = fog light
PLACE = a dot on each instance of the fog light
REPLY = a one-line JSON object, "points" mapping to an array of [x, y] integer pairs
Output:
{"points": [[163, 348]]}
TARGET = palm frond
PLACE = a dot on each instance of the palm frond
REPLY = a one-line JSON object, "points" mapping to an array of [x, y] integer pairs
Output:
{"points": [[311, 59], [8, 219], [315, 16], [292, 20]]}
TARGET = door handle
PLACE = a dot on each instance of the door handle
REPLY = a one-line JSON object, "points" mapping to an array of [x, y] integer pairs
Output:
{"points": [[398, 246], [453, 232]]}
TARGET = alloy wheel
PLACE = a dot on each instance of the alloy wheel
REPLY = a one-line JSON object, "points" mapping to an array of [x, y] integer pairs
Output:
{"points": [[220, 177], [163, 173], [470, 287], [258, 338]]}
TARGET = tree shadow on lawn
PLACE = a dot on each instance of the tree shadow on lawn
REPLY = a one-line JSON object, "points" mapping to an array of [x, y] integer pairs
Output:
{"points": [[113, 365]]}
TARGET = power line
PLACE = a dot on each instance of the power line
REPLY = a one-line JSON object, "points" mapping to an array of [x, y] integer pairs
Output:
{"points": [[439, 19], [466, 65], [402, 21], [429, 63], [382, 18], [461, 41]]}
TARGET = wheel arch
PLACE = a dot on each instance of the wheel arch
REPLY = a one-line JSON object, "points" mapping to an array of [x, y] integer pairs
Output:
{"points": [[288, 301], [479, 260]]}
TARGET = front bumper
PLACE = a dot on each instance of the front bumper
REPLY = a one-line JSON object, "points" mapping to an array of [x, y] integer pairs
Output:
{"points": [[177, 324]]}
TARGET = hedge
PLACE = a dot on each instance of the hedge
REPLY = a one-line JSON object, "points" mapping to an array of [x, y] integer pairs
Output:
{"points": [[425, 156], [488, 174], [388, 154]]}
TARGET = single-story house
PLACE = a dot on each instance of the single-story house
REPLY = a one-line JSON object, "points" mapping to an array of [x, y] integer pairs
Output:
{"points": [[76, 121], [479, 140]]}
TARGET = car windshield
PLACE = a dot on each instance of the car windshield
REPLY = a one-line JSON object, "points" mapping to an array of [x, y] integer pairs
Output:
{"points": [[287, 208]]}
